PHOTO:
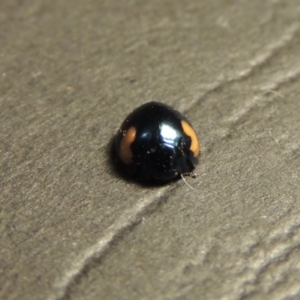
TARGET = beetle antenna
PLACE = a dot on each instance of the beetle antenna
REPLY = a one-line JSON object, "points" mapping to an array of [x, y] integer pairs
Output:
{"points": [[187, 182]]}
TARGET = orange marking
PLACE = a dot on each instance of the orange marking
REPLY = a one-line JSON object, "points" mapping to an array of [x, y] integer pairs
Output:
{"points": [[127, 140], [189, 131]]}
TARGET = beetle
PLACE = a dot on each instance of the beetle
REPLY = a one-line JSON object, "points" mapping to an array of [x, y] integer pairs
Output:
{"points": [[155, 141]]}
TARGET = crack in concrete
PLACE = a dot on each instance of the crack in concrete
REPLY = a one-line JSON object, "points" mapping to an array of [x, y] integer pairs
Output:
{"points": [[255, 64], [130, 218]]}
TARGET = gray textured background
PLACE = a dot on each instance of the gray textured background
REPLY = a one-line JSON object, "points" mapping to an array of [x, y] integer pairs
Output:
{"points": [[70, 71]]}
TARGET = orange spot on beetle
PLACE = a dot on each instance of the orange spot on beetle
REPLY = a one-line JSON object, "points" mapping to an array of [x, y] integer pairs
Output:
{"points": [[127, 140], [189, 131]]}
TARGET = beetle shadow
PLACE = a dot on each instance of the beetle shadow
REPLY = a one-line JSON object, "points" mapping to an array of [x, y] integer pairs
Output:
{"points": [[120, 171]]}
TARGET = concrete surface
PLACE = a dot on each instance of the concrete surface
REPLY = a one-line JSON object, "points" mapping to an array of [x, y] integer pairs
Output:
{"points": [[70, 73]]}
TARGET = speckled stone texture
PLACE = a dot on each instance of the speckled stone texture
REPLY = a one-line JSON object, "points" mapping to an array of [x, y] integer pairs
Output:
{"points": [[71, 228]]}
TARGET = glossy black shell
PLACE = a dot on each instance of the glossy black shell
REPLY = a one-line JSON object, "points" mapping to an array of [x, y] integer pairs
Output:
{"points": [[161, 149]]}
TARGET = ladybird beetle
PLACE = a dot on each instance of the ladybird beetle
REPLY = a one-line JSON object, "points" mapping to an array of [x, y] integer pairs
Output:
{"points": [[157, 142]]}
